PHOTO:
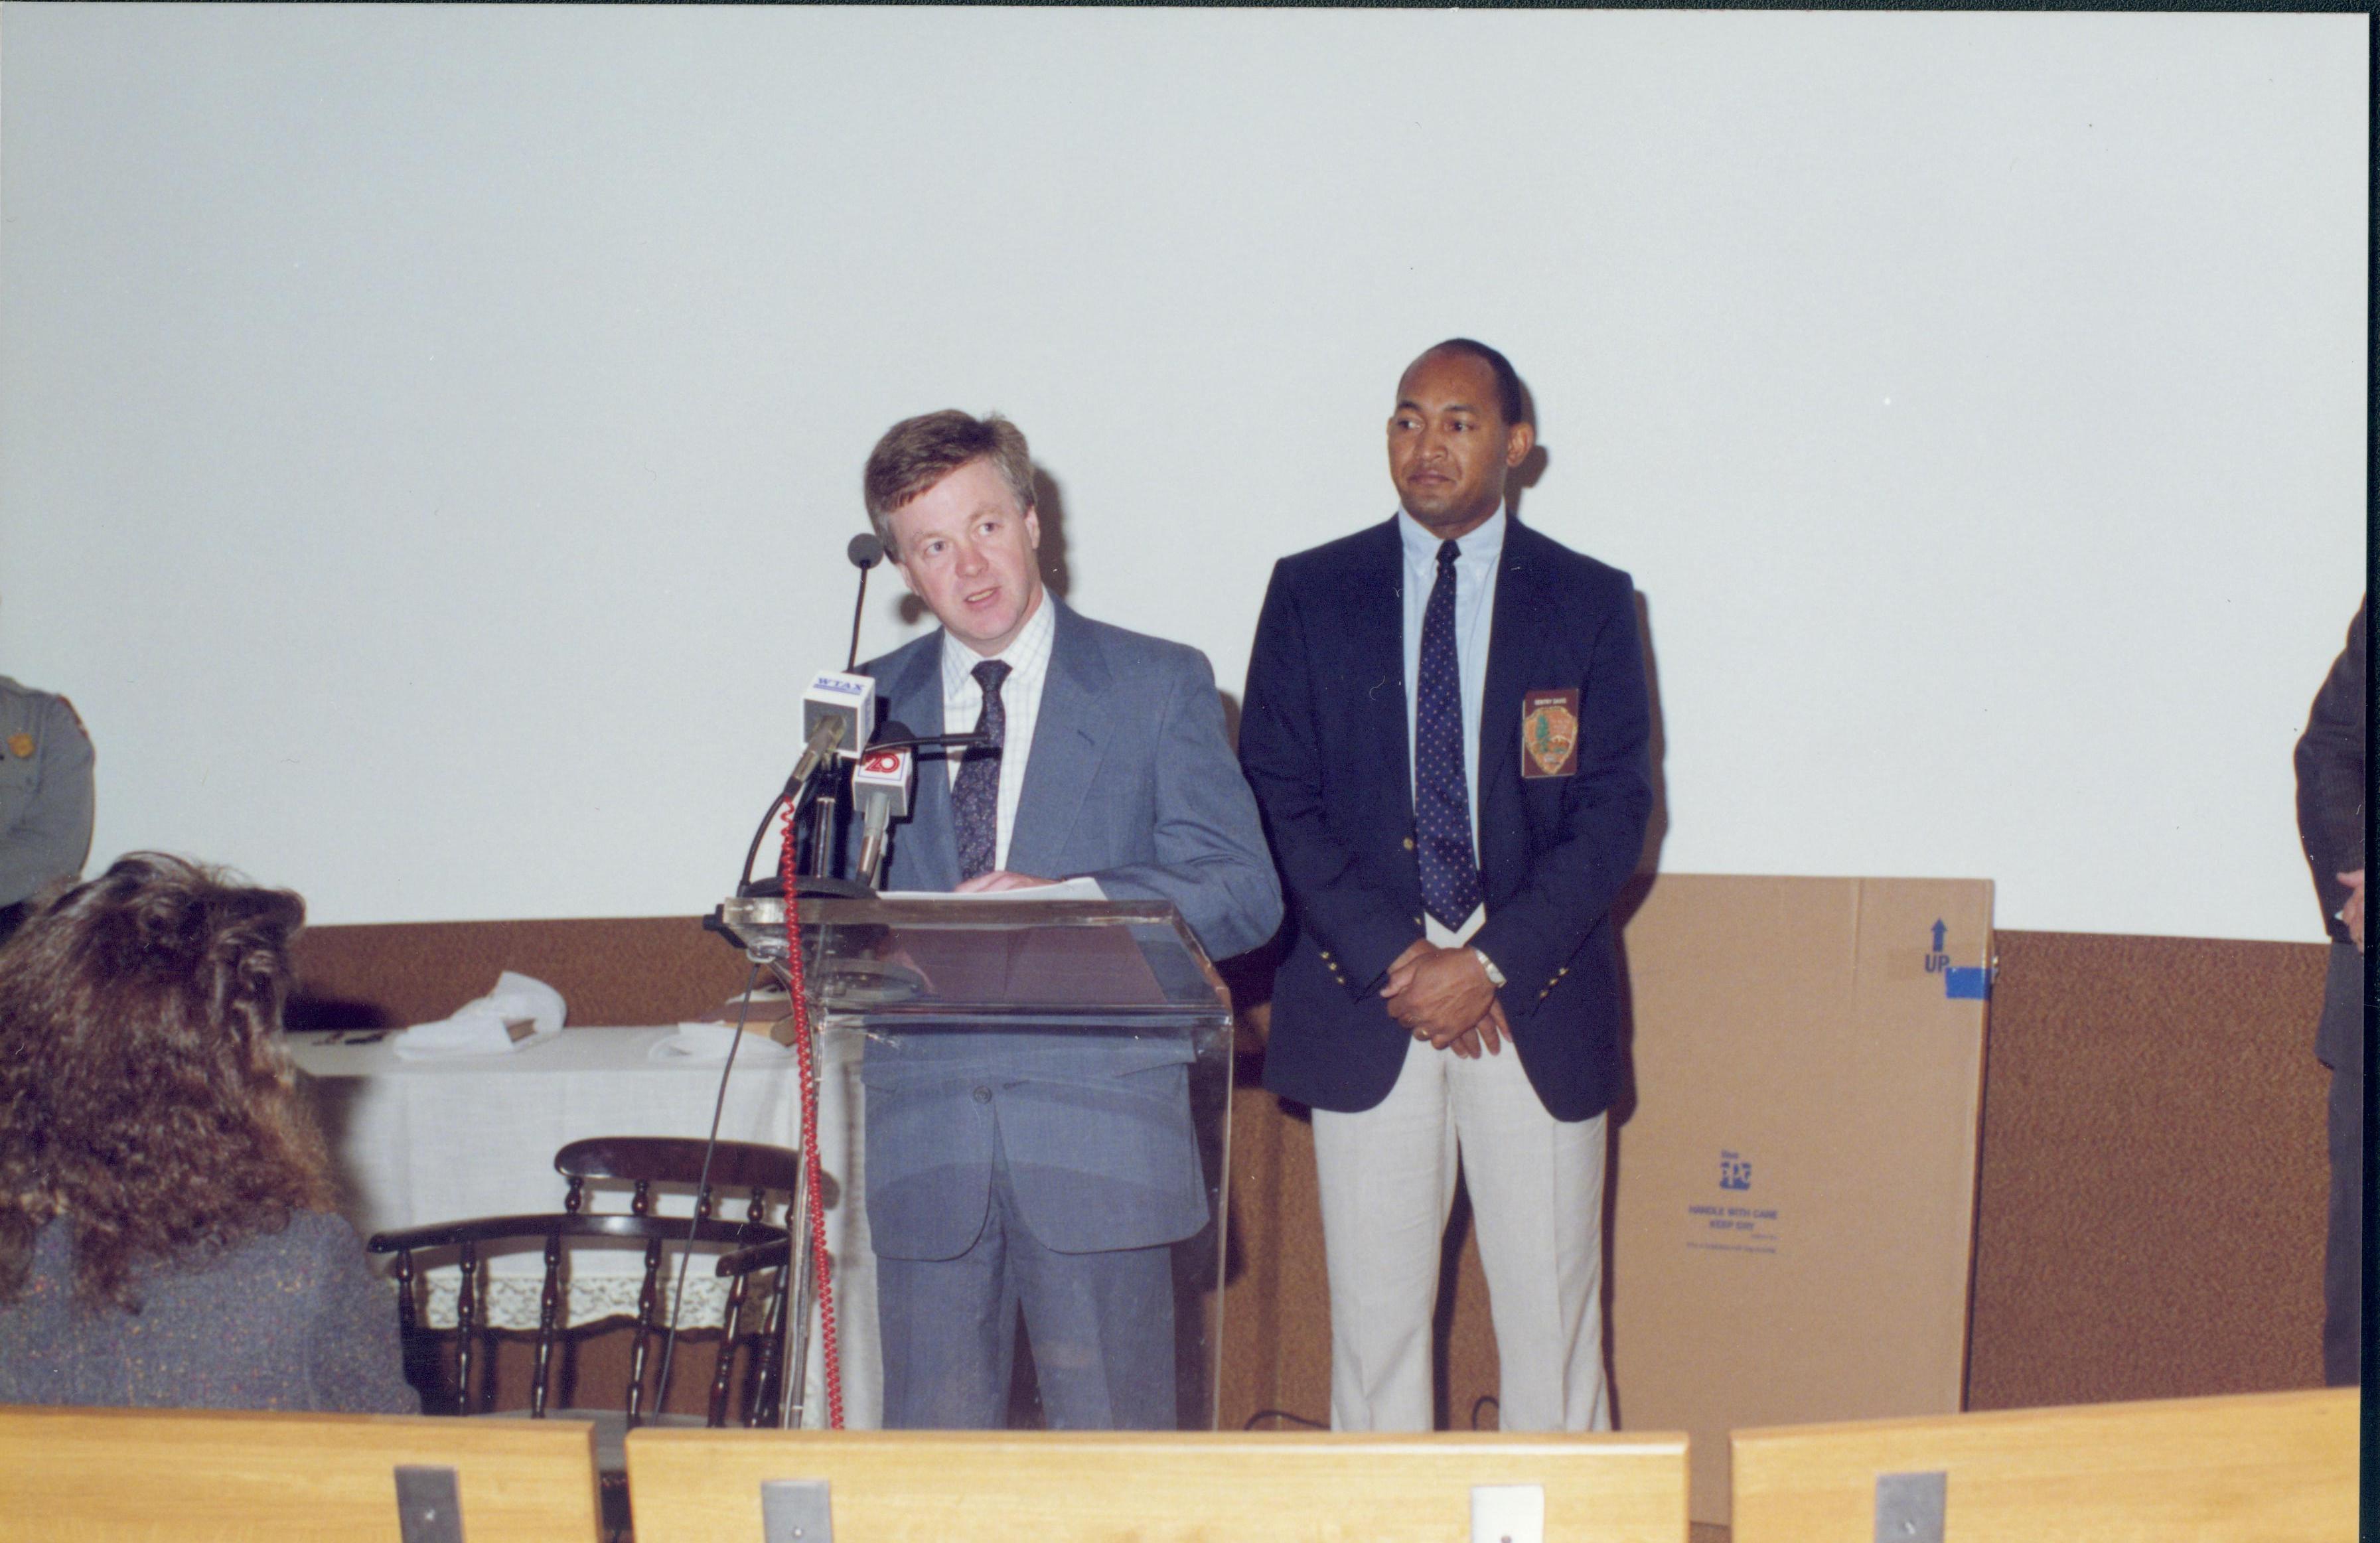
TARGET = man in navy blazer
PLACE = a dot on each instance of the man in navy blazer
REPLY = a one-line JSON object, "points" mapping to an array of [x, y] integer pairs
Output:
{"points": [[1445, 727], [1016, 1169]]}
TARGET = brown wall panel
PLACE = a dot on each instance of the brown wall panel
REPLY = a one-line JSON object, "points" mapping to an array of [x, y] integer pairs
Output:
{"points": [[616, 970], [2150, 1217]]}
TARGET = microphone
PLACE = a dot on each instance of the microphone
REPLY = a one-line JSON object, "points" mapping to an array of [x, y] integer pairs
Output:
{"points": [[864, 551], [836, 710], [881, 783], [824, 740]]}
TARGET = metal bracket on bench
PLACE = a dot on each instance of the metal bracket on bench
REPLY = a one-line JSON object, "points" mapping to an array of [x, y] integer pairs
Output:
{"points": [[429, 1506], [796, 1511], [1908, 1507]]}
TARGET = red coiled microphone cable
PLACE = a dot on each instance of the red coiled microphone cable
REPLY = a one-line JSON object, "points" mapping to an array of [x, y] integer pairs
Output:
{"points": [[820, 1261]]}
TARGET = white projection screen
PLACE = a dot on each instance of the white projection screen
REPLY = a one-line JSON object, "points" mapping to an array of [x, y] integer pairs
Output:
{"points": [[428, 435]]}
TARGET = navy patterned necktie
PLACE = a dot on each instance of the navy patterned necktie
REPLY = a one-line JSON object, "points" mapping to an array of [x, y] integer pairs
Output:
{"points": [[975, 793], [1450, 876]]}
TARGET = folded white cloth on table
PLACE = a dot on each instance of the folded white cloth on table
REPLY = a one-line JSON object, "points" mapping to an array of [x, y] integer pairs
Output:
{"points": [[484, 1026], [705, 1039]]}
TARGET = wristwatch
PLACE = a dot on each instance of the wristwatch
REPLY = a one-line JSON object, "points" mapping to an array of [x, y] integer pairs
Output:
{"points": [[1495, 975]]}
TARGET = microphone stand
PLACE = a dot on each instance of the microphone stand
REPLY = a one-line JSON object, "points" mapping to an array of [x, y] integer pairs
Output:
{"points": [[864, 551], [822, 810], [813, 884], [819, 885]]}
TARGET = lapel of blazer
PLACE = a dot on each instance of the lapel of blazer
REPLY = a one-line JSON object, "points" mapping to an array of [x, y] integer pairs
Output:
{"points": [[1069, 741], [1374, 621], [914, 693], [1520, 611]]}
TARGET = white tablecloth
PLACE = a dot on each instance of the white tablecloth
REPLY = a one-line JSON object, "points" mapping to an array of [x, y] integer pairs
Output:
{"points": [[425, 1141], [421, 1141]]}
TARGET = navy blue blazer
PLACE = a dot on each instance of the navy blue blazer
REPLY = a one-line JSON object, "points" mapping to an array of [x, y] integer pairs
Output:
{"points": [[1131, 781], [1325, 741]]}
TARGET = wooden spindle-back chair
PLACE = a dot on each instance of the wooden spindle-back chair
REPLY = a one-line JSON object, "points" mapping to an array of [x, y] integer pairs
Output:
{"points": [[758, 1172]]}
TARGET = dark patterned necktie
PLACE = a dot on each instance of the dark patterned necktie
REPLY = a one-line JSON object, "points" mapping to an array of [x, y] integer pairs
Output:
{"points": [[1450, 876], [975, 793]]}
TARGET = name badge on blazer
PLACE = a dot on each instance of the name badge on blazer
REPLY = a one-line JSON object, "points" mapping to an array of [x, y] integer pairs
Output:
{"points": [[1550, 733]]}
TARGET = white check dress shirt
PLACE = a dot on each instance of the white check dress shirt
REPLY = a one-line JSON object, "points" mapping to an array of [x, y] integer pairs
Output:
{"points": [[1027, 658]]}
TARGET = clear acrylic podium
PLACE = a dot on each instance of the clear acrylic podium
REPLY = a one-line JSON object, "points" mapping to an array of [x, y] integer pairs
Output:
{"points": [[1083, 1046]]}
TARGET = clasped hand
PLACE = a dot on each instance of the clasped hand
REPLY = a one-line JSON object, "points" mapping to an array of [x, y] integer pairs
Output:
{"points": [[1443, 995]]}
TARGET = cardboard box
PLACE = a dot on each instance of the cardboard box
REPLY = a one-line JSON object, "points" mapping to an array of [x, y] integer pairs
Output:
{"points": [[1793, 1193]]}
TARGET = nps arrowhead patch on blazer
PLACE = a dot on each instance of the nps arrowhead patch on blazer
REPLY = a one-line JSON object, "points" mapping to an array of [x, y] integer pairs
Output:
{"points": [[1550, 733]]}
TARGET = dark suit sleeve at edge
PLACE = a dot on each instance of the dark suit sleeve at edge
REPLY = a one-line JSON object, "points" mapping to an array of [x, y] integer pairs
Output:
{"points": [[1572, 882], [1365, 926], [2330, 779]]}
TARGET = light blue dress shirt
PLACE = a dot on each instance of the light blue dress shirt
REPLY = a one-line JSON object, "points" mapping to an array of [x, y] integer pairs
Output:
{"points": [[1475, 611]]}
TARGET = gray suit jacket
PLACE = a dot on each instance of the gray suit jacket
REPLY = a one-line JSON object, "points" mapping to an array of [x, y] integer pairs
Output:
{"points": [[1131, 781]]}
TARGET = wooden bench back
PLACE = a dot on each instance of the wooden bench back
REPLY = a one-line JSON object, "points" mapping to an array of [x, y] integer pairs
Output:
{"points": [[992, 1487], [83, 1475], [2238, 1469]]}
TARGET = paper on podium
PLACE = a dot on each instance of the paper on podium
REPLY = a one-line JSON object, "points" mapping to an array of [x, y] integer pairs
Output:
{"points": [[1063, 889]]}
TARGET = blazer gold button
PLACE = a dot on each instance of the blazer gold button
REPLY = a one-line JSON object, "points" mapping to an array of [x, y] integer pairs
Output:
{"points": [[1409, 846]]}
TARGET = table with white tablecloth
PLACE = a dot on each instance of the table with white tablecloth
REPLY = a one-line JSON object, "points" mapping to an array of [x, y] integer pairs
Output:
{"points": [[416, 1142]]}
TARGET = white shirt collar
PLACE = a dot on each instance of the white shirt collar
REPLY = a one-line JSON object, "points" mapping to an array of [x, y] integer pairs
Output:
{"points": [[1421, 545], [1031, 644]]}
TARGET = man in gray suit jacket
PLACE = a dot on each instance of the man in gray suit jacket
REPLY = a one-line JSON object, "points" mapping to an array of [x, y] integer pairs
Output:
{"points": [[1018, 1170]]}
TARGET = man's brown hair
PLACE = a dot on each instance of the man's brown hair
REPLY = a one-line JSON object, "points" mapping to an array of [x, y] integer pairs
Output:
{"points": [[917, 453], [145, 1092]]}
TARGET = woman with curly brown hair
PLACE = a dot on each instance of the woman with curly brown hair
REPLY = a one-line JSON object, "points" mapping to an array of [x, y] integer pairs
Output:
{"points": [[167, 1236]]}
